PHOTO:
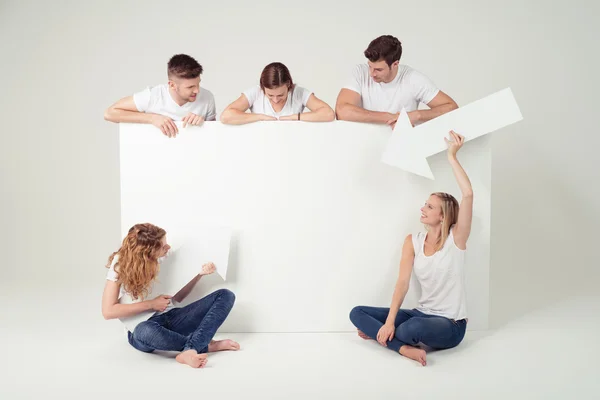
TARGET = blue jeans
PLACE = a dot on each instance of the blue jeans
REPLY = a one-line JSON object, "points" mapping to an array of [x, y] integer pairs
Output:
{"points": [[412, 327], [184, 328]]}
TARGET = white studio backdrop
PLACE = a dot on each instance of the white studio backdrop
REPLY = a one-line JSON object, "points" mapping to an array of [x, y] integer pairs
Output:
{"points": [[318, 220], [67, 62]]}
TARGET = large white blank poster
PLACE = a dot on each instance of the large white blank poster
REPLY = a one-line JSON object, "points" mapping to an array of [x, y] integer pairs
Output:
{"points": [[317, 219]]}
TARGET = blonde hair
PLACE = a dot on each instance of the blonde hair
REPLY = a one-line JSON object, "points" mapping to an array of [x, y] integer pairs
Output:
{"points": [[138, 265], [450, 209]]}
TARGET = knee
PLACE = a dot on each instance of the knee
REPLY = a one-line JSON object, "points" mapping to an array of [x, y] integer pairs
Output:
{"points": [[144, 331], [408, 329], [227, 295], [355, 313]]}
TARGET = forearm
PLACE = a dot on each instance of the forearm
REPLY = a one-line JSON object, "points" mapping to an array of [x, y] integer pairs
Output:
{"points": [[397, 300], [323, 114], [126, 310], [237, 117], [350, 112], [461, 176], [186, 290], [426, 115], [118, 115]]}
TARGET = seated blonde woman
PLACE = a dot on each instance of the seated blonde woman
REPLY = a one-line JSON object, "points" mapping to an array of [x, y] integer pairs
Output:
{"points": [[277, 98]]}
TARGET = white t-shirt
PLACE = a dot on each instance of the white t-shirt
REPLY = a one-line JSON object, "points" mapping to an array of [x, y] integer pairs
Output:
{"points": [[407, 89], [158, 100], [260, 104], [112, 275], [442, 278]]}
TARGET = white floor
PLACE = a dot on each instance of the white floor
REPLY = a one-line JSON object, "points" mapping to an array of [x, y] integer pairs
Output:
{"points": [[550, 354]]}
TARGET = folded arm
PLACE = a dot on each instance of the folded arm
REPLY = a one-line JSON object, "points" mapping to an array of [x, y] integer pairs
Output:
{"points": [[441, 104], [348, 108], [319, 111], [235, 113], [111, 308], [125, 110]]}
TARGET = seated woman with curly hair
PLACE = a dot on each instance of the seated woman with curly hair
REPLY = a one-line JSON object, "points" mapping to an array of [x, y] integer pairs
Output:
{"points": [[188, 330]]}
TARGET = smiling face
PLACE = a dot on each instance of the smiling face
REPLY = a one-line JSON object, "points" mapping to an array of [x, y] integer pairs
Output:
{"points": [[277, 95], [186, 90], [184, 74], [431, 212], [164, 249]]}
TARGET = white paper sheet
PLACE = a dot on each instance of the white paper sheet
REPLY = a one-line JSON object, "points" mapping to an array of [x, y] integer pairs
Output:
{"points": [[189, 252]]}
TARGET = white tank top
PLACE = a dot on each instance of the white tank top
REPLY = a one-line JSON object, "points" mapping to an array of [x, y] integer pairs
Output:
{"points": [[442, 278]]}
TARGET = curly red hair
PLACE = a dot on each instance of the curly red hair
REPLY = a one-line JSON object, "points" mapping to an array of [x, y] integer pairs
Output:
{"points": [[138, 266]]}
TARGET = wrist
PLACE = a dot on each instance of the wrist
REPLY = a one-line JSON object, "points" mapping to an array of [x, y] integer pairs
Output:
{"points": [[148, 305], [418, 116]]}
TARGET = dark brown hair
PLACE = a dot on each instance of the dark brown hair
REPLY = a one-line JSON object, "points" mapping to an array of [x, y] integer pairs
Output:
{"points": [[385, 47], [184, 67], [274, 75]]}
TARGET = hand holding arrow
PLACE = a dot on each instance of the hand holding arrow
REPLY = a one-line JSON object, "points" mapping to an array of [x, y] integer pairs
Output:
{"points": [[408, 147]]}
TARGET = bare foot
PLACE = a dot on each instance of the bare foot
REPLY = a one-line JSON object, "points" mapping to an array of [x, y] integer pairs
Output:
{"points": [[363, 335], [191, 358], [223, 345], [414, 354]]}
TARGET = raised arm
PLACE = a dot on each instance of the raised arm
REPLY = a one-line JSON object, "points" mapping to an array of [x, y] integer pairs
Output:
{"points": [[235, 113], [347, 108], [186, 290], [207, 269], [386, 332], [462, 228]]}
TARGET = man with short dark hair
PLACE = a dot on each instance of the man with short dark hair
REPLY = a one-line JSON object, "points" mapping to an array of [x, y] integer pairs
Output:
{"points": [[379, 90], [181, 99]]}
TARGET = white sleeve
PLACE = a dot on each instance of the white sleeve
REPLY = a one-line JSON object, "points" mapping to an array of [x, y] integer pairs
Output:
{"points": [[305, 93], [211, 112], [424, 89], [252, 95], [142, 99], [111, 275], [355, 82]]}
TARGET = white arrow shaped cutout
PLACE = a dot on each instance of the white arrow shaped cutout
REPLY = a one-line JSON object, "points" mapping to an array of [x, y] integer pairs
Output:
{"points": [[408, 147]]}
